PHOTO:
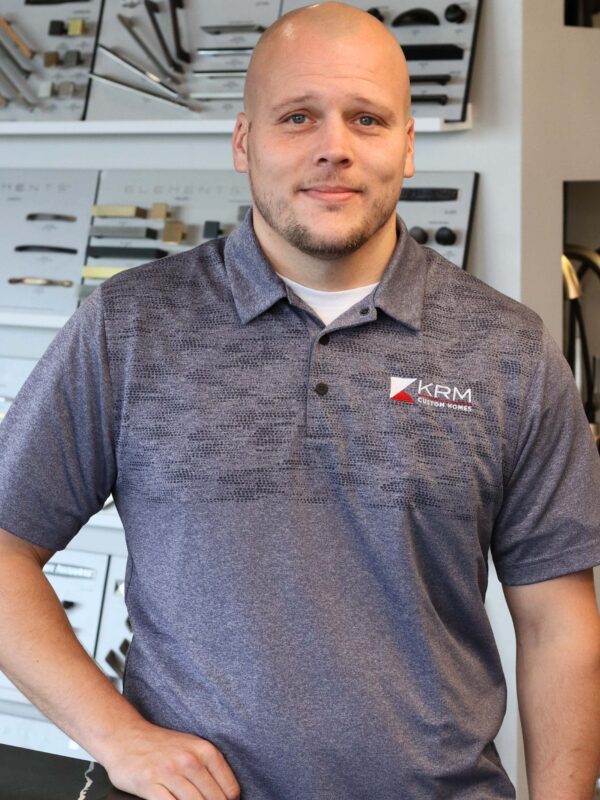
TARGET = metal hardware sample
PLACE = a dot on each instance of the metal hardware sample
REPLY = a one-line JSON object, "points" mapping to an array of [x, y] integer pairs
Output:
{"points": [[433, 52], [66, 89], [57, 28], [16, 56], [51, 59], [439, 99], [128, 24], [143, 73], [44, 216], [41, 282], [9, 28], [76, 27], [216, 30], [147, 253], [44, 248], [119, 211], [15, 78], [101, 273], [181, 54], [159, 211], [129, 87], [52, 2], [442, 80], [152, 9], [415, 16], [72, 58], [173, 232], [122, 232]]}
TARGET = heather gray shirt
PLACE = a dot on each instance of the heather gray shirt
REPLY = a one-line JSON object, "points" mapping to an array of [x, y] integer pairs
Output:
{"points": [[309, 516]]}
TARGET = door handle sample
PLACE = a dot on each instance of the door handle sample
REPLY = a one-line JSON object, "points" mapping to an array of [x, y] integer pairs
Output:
{"points": [[128, 24], [30, 281], [146, 253], [433, 52], [44, 248], [415, 16], [181, 54], [152, 10]]}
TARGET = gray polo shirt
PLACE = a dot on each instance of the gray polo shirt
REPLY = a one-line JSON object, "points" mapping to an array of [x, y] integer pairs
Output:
{"points": [[309, 509]]}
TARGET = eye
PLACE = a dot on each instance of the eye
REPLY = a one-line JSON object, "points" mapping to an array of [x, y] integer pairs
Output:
{"points": [[367, 121], [297, 119]]}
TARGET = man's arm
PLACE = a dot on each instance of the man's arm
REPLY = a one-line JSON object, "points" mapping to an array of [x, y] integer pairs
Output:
{"points": [[42, 656], [558, 684]]}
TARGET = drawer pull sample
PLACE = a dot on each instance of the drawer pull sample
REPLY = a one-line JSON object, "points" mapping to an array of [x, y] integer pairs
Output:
{"points": [[44, 248], [415, 16], [181, 54], [43, 216], [116, 232], [119, 211], [433, 52], [31, 281], [217, 30], [145, 253], [439, 99], [442, 80]]}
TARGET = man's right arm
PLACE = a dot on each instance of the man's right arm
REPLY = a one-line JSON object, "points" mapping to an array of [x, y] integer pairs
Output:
{"points": [[41, 655]]}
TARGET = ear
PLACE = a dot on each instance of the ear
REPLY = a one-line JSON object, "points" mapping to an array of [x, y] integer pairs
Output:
{"points": [[409, 163], [239, 143]]}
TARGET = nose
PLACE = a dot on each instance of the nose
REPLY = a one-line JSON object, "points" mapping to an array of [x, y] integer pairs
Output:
{"points": [[334, 144]]}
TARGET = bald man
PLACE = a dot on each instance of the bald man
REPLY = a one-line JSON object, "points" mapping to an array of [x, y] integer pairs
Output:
{"points": [[315, 432]]}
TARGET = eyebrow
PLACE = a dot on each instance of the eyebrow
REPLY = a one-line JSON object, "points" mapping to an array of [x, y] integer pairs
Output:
{"points": [[375, 104]]}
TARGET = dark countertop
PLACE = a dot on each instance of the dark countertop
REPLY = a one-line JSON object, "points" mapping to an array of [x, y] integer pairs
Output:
{"points": [[30, 775]]}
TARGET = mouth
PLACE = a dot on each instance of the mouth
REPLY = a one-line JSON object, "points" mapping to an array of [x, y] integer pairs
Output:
{"points": [[331, 194]]}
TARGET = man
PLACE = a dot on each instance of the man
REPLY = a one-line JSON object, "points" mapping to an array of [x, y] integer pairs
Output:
{"points": [[309, 507]]}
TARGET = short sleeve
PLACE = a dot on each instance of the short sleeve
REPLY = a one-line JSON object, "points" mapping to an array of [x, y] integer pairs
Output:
{"points": [[57, 462], [549, 521]]}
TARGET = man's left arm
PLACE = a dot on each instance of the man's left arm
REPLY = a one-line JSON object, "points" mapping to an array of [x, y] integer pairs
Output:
{"points": [[557, 627]]}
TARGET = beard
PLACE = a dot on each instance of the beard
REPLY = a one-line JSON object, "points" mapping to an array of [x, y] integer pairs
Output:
{"points": [[284, 221]]}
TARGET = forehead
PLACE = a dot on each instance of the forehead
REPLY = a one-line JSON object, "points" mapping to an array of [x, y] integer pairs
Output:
{"points": [[347, 67]]}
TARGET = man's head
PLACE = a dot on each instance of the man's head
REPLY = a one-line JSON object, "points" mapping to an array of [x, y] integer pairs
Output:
{"points": [[327, 108]]}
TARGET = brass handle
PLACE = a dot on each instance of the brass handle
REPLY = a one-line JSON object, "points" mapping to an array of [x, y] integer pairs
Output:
{"points": [[40, 282]]}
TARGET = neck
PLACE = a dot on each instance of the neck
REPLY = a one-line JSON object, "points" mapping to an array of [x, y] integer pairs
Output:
{"points": [[360, 268]]}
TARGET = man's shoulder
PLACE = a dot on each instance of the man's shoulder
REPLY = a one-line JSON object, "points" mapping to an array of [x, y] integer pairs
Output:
{"points": [[475, 308], [173, 272]]}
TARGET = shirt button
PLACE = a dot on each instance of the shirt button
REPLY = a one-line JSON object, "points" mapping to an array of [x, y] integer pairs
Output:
{"points": [[324, 339], [321, 388], [364, 311]]}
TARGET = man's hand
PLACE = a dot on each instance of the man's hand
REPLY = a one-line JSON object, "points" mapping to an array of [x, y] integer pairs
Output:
{"points": [[155, 763]]}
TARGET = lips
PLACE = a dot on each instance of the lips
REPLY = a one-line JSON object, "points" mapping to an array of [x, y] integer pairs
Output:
{"points": [[332, 194]]}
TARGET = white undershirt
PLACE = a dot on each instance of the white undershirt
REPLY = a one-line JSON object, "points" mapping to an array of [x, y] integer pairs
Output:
{"points": [[329, 305]]}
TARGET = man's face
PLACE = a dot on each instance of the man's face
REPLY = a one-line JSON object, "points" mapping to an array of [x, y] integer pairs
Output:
{"points": [[328, 143]]}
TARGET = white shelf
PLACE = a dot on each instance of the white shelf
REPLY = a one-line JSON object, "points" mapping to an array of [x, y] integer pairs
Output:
{"points": [[27, 319], [178, 127]]}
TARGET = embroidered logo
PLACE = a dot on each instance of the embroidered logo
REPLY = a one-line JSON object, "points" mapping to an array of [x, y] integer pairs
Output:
{"points": [[437, 395]]}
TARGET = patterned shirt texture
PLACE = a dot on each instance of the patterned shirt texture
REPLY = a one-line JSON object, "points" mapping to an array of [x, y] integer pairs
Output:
{"points": [[309, 509]]}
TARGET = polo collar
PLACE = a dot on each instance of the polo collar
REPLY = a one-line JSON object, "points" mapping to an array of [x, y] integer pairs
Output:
{"points": [[256, 287]]}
